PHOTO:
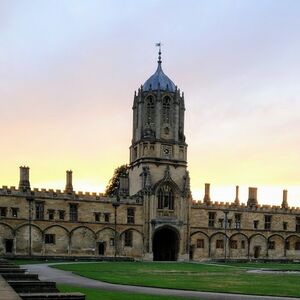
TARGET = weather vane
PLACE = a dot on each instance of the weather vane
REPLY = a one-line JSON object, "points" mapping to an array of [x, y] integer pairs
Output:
{"points": [[159, 51]]}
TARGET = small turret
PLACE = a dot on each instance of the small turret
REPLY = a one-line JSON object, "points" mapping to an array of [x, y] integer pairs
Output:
{"points": [[24, 183], [284, 203], [69, 184], [237, 199], [252, 199], [206, 198]]}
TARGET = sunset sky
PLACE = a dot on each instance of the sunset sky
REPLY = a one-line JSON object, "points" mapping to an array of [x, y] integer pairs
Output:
{"points": [[69, 69]]}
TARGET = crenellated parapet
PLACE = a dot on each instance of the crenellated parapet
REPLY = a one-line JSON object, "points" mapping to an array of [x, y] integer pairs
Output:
{"points": [[243, 207], [251, 206], [42, 193]]}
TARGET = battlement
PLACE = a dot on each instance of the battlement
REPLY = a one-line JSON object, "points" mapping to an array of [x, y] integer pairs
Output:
{"points": [[243, 207], [49, 193], [252, 203], [42, 193]]}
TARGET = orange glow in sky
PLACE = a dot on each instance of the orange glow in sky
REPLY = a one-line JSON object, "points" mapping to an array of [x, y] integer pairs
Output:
{"points": [[68, 74]]}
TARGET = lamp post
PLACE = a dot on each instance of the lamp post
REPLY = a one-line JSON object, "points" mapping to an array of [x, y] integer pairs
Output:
{"points": [[225, 231], [116, 204]]}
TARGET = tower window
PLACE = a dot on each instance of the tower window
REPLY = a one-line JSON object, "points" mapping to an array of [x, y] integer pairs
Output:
{"points": [[166, 105], [150, 112], [165, 198]]}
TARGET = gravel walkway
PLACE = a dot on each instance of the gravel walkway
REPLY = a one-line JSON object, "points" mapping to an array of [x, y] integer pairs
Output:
{"points": [[51, 274]]}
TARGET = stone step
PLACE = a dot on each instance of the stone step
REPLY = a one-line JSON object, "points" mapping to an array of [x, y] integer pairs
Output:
{"points": [[12, 270], [20, 276], [6, 291], [33, 286], [4, 266], [52, 296]]}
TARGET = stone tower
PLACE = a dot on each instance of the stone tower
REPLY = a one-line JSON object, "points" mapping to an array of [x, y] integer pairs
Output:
{"points": [[158, 166]]}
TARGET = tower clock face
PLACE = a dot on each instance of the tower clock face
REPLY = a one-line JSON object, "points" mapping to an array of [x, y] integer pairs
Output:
{"points": [[166, 151]]}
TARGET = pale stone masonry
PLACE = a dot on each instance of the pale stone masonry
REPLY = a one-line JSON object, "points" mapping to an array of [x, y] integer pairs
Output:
{"points": [[154, 216]]}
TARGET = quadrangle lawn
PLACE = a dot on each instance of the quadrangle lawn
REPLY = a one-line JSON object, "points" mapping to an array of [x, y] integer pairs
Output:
{"points": [[230, 277]]}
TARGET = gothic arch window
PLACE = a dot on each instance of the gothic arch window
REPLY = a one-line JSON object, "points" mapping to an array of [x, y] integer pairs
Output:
{"points": [[165, 197], [166, 110], [150, 112]]}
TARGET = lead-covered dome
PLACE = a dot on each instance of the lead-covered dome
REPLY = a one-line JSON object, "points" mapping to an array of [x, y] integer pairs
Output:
{"points": [[159, 80]]}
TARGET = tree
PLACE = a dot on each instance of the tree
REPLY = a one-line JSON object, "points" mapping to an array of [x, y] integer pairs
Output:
{"points": [[111, 189]]}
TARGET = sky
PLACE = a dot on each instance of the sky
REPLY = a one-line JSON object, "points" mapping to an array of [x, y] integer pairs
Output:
{"points": [[69, 69]]}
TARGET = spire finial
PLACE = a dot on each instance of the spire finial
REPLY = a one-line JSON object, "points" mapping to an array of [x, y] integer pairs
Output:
{"points": [[159, 51]]}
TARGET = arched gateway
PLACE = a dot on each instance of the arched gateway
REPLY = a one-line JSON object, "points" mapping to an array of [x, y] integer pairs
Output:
{"points": [[165, 244]]}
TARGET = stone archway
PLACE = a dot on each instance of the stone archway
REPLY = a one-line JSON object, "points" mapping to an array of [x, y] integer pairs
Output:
{"points": [[165, 244]]}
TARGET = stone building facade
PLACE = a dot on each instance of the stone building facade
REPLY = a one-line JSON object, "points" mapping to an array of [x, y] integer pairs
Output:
{"points": [[153, 216]]}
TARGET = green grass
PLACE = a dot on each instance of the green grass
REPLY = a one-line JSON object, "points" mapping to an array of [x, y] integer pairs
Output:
{"points": [[95, 294], [260, 265], [232, 278]]}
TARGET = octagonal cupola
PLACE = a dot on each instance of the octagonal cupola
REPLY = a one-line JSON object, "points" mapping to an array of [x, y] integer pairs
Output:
{"points": [[158, 121]]}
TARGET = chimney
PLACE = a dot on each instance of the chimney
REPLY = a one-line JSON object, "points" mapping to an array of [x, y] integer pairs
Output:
{"points": [[252, 199], [206, 198], [69, 185], [284, 203], [24, 178], [237, 199]]}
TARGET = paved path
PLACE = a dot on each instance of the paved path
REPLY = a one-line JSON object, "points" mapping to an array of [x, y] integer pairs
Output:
{"points": [[51, 274]]}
